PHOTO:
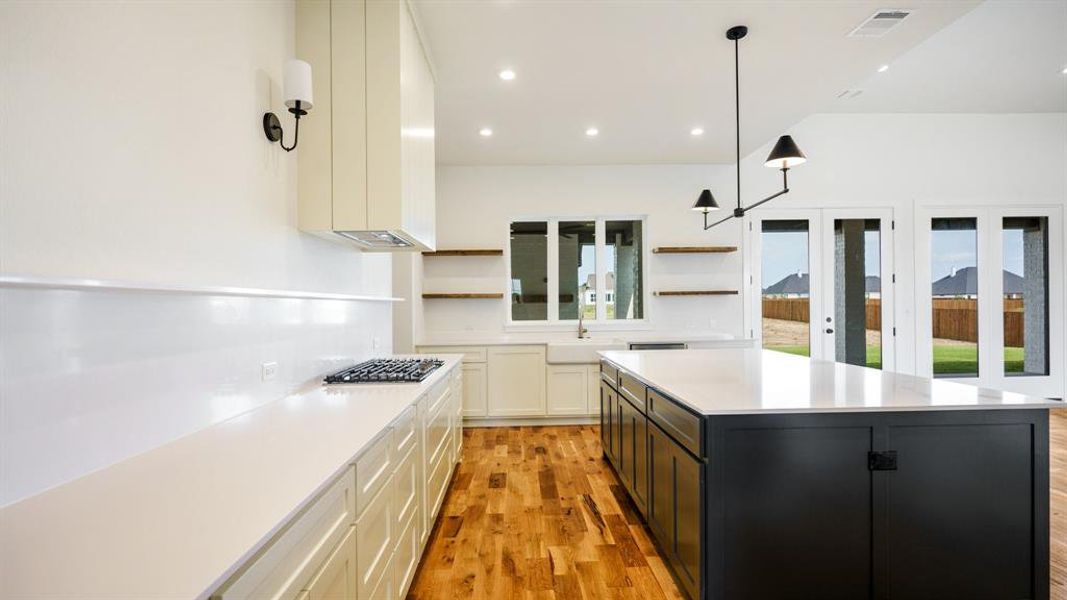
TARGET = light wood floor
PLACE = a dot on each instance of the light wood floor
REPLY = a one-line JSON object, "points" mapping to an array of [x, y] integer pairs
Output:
{"points": [[533, 512]]}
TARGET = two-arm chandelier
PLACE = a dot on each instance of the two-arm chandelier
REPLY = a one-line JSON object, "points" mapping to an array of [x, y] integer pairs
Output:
{"points": [[785, 154]]}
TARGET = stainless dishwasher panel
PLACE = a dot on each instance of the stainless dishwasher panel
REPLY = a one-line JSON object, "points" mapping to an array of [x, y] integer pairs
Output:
{"points": [[658, 346]]}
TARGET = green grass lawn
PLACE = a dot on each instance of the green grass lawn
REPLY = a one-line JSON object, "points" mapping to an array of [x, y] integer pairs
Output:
{"points": [[948, 360]]}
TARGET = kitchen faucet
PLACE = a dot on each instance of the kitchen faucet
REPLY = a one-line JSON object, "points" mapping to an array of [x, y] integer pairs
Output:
{"points": [[581, 314]]}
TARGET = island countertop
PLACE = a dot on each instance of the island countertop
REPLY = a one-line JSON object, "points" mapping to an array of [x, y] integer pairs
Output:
{"points": [[754, 381]]}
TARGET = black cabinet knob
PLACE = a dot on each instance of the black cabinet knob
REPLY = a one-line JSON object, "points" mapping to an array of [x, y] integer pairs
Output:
{"points": [[828, 330]]}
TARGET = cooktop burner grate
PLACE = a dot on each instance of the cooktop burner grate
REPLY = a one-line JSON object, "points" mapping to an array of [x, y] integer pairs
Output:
{"points": [[387, 370]]}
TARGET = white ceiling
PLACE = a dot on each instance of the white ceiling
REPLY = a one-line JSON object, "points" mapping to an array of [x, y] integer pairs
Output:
{"points": [[646, 72], [1004, 56]]}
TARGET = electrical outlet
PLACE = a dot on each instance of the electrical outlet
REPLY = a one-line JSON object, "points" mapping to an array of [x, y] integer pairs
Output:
{"points": [[376, 342], [270, 370]]}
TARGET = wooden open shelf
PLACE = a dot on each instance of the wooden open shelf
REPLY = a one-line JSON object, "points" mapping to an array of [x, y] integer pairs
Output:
{"points": [[465, 296], [693, 249], [696, 293], [466, 252]]}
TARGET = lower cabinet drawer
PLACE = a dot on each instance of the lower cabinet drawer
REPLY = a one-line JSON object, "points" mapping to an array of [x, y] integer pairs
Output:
{"points": [[405, 432], [406, 558], [336, 580], [406, 487], [288, 563], [373, 469], [436, 484], [437, 432], [375, 541], [386, 589]]}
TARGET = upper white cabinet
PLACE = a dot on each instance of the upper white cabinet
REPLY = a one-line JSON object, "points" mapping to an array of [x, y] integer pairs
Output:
{"points": [[366, 151]]}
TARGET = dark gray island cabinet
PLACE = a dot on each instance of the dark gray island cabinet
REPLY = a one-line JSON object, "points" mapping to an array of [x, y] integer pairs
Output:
{"points": [[915, 489]]}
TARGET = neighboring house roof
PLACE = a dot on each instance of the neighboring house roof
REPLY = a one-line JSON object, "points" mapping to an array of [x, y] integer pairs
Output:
{"points": [[874, 284], [609, 281], [964, 282], [794, 283]]}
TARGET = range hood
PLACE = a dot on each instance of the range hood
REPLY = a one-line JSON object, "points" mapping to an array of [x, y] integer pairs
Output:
{"points": [[366, 157]]}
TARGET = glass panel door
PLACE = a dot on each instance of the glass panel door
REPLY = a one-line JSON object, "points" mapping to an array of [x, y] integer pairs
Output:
{"points": [[785, 285], [856, 266]]}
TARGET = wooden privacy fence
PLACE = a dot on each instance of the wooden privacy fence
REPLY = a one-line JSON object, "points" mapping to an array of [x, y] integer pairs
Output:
{"points": [[953, 318]]}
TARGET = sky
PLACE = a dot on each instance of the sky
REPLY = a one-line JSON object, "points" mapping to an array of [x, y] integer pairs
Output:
{"points": [[787, 252]]}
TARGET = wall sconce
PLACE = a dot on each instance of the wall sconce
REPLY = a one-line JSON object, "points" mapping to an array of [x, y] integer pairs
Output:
{"points": [[297, 98]]}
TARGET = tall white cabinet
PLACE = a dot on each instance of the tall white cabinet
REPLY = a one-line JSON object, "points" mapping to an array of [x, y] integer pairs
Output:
{"points": [[366, 150]]}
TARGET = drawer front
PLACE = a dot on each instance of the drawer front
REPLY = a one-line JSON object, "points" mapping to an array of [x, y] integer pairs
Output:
{"points": [[405, 434], [375, 541], [438, 396], [406, 487], [436, 485], [609, 373], [471, 354], [406, 558], [678, 422], [286, 565], [336, 580], [633, 390], [373, 468], [438, 432]]}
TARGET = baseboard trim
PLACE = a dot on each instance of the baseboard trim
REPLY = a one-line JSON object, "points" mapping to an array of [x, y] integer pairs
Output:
{"points": [[530, 421]]}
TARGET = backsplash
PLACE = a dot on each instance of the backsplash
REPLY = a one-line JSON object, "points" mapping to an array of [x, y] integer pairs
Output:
{"points": [[91, 377]]}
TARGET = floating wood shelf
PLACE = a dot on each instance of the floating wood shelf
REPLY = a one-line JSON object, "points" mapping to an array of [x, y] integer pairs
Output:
{"points": [[466, 252], [468, 296], [693, 249], [696, 293]]}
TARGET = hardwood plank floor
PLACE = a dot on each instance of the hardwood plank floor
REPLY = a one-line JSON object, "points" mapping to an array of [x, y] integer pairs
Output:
{"points": [[533, 512]]}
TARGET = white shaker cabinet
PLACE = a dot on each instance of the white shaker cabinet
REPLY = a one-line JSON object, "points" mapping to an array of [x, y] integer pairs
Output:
{"points": [[516, 381], [568, 390], [366, 148], [475, 394]]}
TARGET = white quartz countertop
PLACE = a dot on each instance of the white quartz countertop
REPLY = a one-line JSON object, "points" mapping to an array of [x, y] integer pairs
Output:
{"points": [[176, 521], [754, 381]]}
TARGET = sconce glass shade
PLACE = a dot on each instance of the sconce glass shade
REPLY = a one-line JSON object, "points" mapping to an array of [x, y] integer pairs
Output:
{"points": [[706, 202], [298, 84], [785, 154]]}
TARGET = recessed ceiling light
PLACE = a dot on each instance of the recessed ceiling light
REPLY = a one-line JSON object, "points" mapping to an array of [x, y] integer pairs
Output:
{"points": [[1064, 71], [485, 132], [592, 132], [883, 68], [696, 131], [507, 74]]}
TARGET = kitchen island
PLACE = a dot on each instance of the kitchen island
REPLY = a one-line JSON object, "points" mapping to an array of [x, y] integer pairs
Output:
{"points": [[767, 475]]}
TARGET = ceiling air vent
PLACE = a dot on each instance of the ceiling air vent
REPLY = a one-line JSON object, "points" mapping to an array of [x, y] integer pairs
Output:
{"points": [[849, 94], [880, 23]]}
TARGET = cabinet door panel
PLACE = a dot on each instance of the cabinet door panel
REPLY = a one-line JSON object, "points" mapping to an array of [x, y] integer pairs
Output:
{"points": [[474, 390], [607, 420], [626, 448], [688, 474], [661, 487], [799, 502], [517, 381], [567, 390], [640, 470], [959, 511]]}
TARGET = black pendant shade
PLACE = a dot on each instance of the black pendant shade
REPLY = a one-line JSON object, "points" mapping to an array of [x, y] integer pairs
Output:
{"points": [[706, 202], [785, 154]]}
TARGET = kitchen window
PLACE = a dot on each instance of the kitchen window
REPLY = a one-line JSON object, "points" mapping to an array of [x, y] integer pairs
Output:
{"points": [[556, 267]]}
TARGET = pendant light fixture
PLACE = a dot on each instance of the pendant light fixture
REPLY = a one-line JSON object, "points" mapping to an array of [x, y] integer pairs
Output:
{"points": [[784, 156]]}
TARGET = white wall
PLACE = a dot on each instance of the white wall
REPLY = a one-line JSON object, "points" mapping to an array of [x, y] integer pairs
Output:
{"points": [[911, 162], [476, 205], [132, 149], [896, 161]]}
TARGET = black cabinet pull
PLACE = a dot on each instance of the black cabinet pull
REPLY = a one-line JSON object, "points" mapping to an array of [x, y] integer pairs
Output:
{"points": [[882, 461]]}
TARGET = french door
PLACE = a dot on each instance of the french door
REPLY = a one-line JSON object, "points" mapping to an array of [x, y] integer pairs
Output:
{"points": [[821, 283]]}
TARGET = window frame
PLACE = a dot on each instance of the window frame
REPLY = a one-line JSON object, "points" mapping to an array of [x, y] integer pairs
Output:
{"points": [[601, 322]]}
